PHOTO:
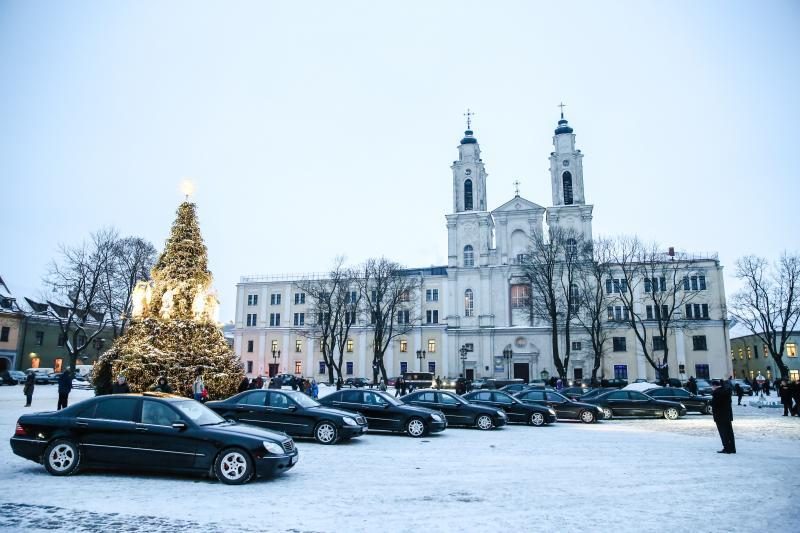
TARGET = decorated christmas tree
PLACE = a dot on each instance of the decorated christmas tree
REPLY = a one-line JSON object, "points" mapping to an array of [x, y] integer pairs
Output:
{"points": [[173, 327]]}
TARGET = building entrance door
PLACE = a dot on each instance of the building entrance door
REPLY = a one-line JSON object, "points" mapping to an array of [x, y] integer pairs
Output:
{"points": [[577, 374], [273, 370], [470, 374], [522, 371]]}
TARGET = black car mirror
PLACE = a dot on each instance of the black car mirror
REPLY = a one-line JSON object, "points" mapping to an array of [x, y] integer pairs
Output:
{"points": [[386, 406], [180, 426], [293, 408]]}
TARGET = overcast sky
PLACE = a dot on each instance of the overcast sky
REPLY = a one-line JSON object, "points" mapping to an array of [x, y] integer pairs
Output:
{"points": [[314, 129]]}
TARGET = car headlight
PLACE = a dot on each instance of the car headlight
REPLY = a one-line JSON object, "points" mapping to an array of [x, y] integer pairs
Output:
{"points": [[552, 412], [437, 417], [271, 447], [350, 421], [683, 407], [501, 414]]}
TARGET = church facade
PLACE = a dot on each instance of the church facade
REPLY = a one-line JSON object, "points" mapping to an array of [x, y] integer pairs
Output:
{"points": [[471, 317]]}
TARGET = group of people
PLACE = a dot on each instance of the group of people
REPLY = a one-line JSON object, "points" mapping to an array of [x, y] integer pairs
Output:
{"points": [[789, 393], [64, 388], [304, 385]]}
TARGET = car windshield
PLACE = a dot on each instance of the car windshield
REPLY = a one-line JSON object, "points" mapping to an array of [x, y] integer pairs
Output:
{"points": [[389, 398], [198, 413], [302, 400], [452, 397]]}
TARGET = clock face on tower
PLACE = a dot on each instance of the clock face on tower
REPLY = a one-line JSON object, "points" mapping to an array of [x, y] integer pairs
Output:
{"points": [[565, 162]]}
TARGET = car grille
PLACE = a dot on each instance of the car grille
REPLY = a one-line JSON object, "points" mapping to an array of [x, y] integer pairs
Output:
{"points": [[288, 446], [360, 420]]}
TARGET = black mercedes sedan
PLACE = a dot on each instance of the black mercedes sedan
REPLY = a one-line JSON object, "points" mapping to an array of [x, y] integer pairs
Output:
{"points": [[293, 413], [154, 432], [386, 412], [692, 402], [533, 414], [635, 404], [458, 411], [565, 408]]}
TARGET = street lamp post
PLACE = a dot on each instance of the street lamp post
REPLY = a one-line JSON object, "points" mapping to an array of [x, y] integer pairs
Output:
{"points": [[276, 354], [545, 375], [508, 353], [420, 356], [463, 351]]}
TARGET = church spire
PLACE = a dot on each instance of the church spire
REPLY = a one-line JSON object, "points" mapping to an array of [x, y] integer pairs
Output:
{"points": [[563, 125], [469, 175]]}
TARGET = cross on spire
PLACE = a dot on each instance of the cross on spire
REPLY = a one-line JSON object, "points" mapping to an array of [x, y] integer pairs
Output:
{"points": [[469, 114], [516, 188], [562, 105]]}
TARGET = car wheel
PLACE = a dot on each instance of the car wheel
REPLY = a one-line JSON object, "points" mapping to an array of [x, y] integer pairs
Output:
{"points": [[233, 466], [608, 414], [484, 422], [671, 413], [326, 433], [587, 417], [415, 427], [536, 419], [62, 458], [709, 410]]}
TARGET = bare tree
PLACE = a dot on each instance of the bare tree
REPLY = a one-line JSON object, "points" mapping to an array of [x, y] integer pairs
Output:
{"points": [[575, 253], [769, 304], [387, 290], [132, 260]]}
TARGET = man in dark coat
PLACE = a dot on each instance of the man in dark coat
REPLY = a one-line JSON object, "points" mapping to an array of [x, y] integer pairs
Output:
{"points": [[795, 388], [723, 415], [30, 384], [64, 388], [244, 384], [163, 386], [691, 386], [739, 393], [120, 386], [785, 394]]}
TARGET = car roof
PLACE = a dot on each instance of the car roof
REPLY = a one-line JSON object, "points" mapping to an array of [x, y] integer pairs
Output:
{"points": [[159, 395]]}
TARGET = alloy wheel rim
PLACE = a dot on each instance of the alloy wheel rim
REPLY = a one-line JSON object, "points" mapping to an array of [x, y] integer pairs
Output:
{"points": [[326, 432], [484, 422], [587, 416], [233, 465], [62, 457], [607, 412], [416, 427], [537, 419], [671, 413]]}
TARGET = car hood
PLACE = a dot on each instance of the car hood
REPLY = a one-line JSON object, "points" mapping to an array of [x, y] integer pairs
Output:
{"points": [[243, 430]]}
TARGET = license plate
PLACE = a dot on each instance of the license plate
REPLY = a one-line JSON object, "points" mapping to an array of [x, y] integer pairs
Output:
{"points": [[294, 459]]}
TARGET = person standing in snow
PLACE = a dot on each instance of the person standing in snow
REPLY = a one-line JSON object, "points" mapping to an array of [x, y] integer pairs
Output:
{"points": [[163, 386], [785, 395], [64, 388], [739, 393], [120, 386], [795, 388], [314, 388], [723, 415], [198, 386], [27, 390], [691, 386]]}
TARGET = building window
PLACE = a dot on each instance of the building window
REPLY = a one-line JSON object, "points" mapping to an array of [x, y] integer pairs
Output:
{"points": [[749, 353], [576, 346], [432, 295], [432, 367], [402, 317], [617, 313], [616, 285], [620, 371], [741, 353], [249, 367], [274, 346], [351, 297], [620, 344], [299, 319], [58, 365], [791, 349], [794, 375], [250, 346], [572, 247], [766, 351], [469, 346], [349, 317], [252, 299], [403, 346], [252, 319], [349, 345], [468, 195], [655, 284], [274, 319], [661, 313], [405, 296], [566, 178], [574, 298], [701, 371], [520, 296], [431, 345], [62, 339], [755, 351], [694, 283], [696, 311], [469, 257], [39, 338], [275, 298], [699, 344], [469, 302], [658, 343], [322, 367], [5, 331], [403, 367], [432, 316], [348, 368], [298, 367], [81, 340], [298, 345], [299, 298]]}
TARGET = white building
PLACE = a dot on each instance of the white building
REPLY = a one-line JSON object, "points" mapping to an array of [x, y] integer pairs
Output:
{"points": [[475, 300]]}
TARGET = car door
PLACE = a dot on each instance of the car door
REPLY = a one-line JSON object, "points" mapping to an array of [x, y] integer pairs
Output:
{"points": [[618, 402], [251, 409], [158, 444], [281, 412], [562, 406], [533, 396], [457, 413], [108, 431], [641, 404], [379, 412], [691, 402], [515, 411]]}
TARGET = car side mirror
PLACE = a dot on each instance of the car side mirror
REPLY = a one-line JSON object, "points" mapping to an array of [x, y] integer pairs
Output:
{"points": [[180, 426], [293, 408], [386, 406]]}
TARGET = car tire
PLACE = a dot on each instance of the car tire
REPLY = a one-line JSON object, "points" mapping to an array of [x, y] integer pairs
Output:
{"points": [[587, 417], [670, 413], [536, 419], [415, 427], [326, 433], [484, 422], [608, 414], [62, 457], [708, 410], [233, 466]]}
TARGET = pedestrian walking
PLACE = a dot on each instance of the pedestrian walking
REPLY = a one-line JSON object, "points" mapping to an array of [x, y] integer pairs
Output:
{"points": [[198, 386], [403, 387], [64, 388], [739, 393], [120, 386], [723, 415], [314, 389], [785, 395], [163, 386], [795, 388], [438, 383], [382, 385], [691, 386], [244, 384], [27, 390]]}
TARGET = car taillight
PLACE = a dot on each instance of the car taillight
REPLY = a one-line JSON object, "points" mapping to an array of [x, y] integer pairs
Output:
{"points": [[20, 431]]}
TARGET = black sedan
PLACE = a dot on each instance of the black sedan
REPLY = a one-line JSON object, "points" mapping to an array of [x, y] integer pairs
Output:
{"points": [[635, 404], [386, 412], [573, 393], [692, 402], [514, 388], [293, 413], [517, 411], [565, 408], [150, 431], [357, 382], [458, 411]]}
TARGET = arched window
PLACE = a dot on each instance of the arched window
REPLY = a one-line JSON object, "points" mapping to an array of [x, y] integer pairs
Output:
{"points": [[469, 258], [469, 303], [572, 246], [468, 195], [574, 298], [520, 296], [567, 179]]}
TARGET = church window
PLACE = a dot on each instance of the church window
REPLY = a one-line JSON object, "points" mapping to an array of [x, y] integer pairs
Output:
{"points": [[469, 302], [520, 296], [469, 258], [574, 298], [567, 179], [468, 195], [572, 247]]}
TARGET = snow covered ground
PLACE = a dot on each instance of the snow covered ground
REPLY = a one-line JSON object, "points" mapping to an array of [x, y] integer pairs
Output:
{"points": [[621, 475]]}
